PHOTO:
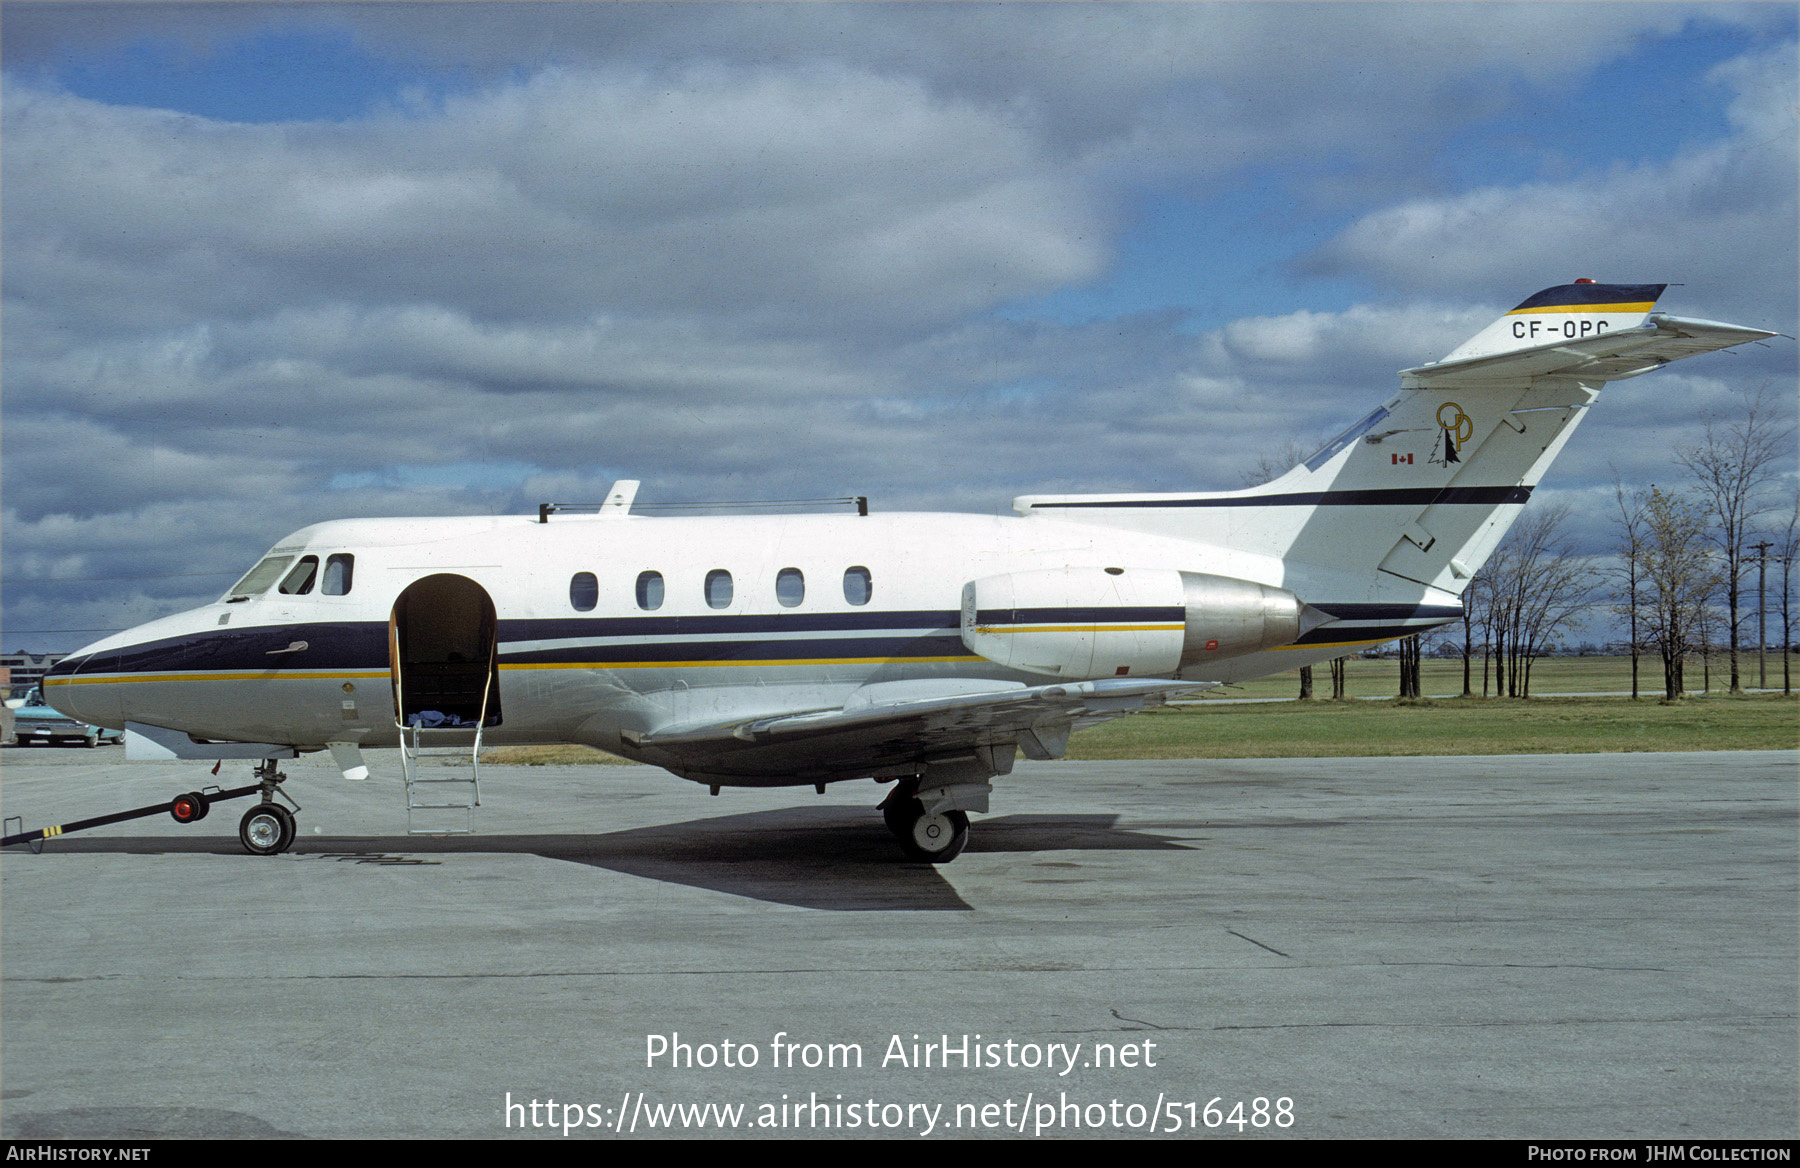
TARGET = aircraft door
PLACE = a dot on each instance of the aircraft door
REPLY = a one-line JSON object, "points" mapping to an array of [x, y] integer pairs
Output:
{"points": [[443, 653]]}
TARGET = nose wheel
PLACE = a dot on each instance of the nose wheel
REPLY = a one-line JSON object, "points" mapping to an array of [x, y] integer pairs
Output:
{"points": [[267, 829]]}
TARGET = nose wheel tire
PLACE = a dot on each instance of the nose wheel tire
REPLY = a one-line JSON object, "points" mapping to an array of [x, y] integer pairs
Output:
{"points": [[267, 829], [931, 838]]}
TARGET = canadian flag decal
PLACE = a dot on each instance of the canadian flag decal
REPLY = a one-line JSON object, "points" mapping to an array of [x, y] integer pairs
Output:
{"points": [[1401, 459]]}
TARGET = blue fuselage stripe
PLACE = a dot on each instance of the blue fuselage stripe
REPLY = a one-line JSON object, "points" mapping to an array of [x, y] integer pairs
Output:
{"points": [[618, 640], [1372, 497]]}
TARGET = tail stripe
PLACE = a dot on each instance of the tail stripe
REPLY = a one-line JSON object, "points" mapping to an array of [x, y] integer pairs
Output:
{"points": [[1593, 298], [1371, 497]]}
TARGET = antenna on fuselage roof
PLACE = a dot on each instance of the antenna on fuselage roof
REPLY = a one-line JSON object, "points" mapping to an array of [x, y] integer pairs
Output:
{"points": [[619, 499]]}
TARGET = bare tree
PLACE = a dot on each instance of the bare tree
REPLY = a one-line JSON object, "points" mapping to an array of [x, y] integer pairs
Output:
{"points": [[1470, 596], [1705, 623], [1410, 651], [1276, 463], [1734, 466], [1789, 546], [1677, 577], [1628, 597], [1536, 589], [1339, 683]]}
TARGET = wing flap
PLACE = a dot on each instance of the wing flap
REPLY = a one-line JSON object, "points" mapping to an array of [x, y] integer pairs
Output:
{"points": [[865, 739]]}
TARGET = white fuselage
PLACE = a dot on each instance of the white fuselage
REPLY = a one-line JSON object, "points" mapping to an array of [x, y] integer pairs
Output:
{"points": [[614, 668]]}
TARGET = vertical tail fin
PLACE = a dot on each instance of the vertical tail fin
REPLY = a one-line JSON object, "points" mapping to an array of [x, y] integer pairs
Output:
{"points": [[1420, 491]]}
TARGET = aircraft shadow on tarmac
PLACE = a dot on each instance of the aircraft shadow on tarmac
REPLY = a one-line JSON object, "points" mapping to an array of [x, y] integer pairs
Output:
{"points": [[824, 857]]}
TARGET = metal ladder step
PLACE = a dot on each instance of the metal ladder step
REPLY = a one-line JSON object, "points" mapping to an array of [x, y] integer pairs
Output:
{"points": [[443, 803], [443, 784]]}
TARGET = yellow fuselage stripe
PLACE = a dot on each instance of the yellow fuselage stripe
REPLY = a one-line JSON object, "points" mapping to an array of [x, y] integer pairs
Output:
{"points": [[760, 664], [1335, 644], [1645, 307], [1082, 629], [270, 675], [123, 679]]}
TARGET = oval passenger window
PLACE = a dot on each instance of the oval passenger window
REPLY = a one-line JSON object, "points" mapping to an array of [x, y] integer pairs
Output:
{"points": [[858, 586], [584, 591], [790, 587], [718, 588], [649, 591]]}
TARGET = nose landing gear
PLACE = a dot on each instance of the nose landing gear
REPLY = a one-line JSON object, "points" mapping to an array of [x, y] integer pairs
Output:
{"points": [[268, 829]]}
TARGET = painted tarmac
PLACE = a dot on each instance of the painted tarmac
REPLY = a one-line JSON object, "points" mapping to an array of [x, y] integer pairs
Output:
{"points": [[1557, 947]]}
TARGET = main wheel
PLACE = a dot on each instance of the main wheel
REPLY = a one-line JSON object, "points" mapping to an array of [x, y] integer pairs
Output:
{"points": [[934, 838], [267, 829]]}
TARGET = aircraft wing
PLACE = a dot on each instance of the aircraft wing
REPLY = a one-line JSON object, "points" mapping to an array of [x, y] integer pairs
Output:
{"points": [[887, 737], [1608, 356]]}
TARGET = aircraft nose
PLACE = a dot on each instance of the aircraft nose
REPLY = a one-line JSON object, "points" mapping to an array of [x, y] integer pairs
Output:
{"points": [[83, 686]]}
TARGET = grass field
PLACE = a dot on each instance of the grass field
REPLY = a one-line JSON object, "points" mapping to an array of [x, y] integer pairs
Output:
{"points": [[1549, 675], [1544, 724], [1453, 726]]}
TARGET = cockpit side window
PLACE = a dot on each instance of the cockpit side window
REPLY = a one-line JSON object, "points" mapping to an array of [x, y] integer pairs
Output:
{"points": [[338, 571], [300, 581], [258, 579]]}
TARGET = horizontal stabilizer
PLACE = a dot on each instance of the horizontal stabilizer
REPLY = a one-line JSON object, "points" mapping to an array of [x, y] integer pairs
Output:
{"points": [[1607, 356]]}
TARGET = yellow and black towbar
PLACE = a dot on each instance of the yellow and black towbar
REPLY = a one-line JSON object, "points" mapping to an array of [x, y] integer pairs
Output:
{"points": [[189, 808]]}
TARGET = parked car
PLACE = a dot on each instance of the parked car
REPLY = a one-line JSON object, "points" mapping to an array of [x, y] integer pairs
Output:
{"points": [[36, 722]]}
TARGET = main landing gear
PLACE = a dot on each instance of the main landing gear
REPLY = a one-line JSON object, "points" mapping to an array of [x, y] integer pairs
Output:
{"points": [[927, 835]]}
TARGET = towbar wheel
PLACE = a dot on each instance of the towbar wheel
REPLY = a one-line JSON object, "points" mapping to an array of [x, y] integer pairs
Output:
{"points": [[189, 808]]}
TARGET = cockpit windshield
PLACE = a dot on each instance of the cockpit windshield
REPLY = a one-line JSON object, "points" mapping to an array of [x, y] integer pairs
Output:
{"points": [[297, 579], [258, 579]]}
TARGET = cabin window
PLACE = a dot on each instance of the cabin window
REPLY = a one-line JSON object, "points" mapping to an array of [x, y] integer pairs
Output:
{"points": [[257, 580], [718, 588], [300, 581], [338, 570], [649, 591], [584, 591], [790, 587], [858, 586]]}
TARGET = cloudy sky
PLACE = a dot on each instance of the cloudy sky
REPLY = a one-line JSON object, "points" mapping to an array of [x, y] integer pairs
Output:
{"points": [[272, 264]]}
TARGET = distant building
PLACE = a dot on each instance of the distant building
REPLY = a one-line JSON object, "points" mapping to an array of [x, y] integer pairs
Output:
{"points": [[26, 669]]}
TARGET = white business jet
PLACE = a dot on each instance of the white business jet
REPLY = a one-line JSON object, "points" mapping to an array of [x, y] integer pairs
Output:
{"points": [[922, 650]]}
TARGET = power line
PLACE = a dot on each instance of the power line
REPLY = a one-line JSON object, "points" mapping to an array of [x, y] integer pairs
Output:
{"points": [[90, 579], [47, 632]]}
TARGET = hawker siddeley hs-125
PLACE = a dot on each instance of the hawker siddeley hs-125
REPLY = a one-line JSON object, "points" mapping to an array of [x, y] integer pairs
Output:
{"points": [[921, 650]]}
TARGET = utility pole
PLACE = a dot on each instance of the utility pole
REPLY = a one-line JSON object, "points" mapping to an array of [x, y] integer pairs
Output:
{"points": [[1762, 633]]}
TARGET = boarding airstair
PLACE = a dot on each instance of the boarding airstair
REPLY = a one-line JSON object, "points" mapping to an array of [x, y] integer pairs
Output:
{"points": [[442, 765]]}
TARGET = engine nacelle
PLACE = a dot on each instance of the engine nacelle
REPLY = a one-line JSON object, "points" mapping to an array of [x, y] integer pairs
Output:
{"points": [[1086, 623]]}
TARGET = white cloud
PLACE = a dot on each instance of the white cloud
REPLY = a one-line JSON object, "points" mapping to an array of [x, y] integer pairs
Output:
{"points": [[1718, 217], [805, 200]]}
